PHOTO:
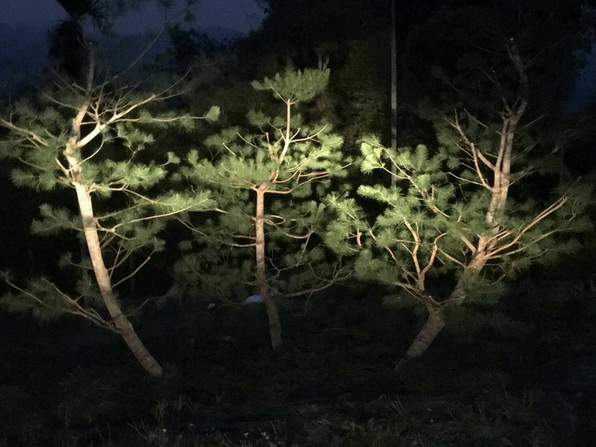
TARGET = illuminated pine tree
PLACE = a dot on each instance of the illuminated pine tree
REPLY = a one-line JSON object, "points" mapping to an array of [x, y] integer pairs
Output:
{"points": [[268, 185], [459, 216], [86, 142]]}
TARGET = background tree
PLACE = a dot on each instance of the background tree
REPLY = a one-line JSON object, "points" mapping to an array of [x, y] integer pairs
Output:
{"points": [[445, 66], [88, 139], [69, 49], [454, 217], [353, 37], [268, 184]]}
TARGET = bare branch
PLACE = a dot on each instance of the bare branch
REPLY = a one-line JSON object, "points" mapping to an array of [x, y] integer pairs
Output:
{"points": [[135, 271]]}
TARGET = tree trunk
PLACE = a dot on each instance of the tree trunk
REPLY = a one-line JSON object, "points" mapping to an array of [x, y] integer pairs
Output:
{"points": [[486, 242], [261, 271], [102, 277], [434, 324], [436, 315], [72, 153]]}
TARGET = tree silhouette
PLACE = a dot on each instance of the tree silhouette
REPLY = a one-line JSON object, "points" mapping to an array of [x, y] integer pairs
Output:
{"points": [[69, 49]]}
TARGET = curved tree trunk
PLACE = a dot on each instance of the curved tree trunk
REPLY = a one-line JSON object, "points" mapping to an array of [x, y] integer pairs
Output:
{"points": [[72, 152], [436, 313], [261, 271], [434, 324], [499, 190], [102, 276]]}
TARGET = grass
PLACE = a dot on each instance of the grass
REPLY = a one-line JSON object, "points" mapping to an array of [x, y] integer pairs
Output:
{"points": [[513, 422], [332, 386]]}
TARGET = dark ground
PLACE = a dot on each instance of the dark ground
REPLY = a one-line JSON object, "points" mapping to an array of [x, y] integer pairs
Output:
{"points": [[521, 373]]}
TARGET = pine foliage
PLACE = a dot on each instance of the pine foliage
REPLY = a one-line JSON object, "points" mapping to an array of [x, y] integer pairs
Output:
{"points": [[295, 161], [435, 209], [131, 202]]}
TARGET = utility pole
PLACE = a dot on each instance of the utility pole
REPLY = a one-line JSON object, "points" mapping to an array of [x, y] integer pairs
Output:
{"points": [[393, 87]]}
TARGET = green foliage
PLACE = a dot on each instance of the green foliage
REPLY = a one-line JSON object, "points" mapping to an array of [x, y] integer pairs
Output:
{"points": [[54, 220], [296, 162], [213, 271], [295, 86], [435, 206], [513, 421], [39, 297], [212, 114], [131, 204]]}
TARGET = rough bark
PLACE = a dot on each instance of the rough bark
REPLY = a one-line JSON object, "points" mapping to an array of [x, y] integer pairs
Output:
{"points": [[486, 243], [468, 278], [434, 324], [102, 276], [436, 310], [261, 271], [125, 328]]}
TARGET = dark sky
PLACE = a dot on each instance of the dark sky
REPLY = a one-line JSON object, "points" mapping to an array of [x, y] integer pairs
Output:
{"points": [[241, 15]]}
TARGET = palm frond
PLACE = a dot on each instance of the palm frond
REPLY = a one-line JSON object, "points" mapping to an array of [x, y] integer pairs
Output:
{"points": [[68, 51], [95, 9]]}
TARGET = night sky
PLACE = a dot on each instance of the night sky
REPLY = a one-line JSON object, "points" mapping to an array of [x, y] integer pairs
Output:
{"points": [[24, 25], [236, 15], [240, 15]]}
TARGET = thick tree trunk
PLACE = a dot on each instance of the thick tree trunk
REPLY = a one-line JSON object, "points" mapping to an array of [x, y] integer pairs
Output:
{"points": [[436, 315], [485, 246], [434, 324], [471, 272], [102, 277], [72, 152], [261, 271]]}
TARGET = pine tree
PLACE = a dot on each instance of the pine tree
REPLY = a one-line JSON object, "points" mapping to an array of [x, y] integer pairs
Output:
{"points": [[89, 139], [268, 185], [454, 216]]}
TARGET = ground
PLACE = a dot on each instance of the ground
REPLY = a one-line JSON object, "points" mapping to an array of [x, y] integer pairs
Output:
{"points": [[522, 372]]}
